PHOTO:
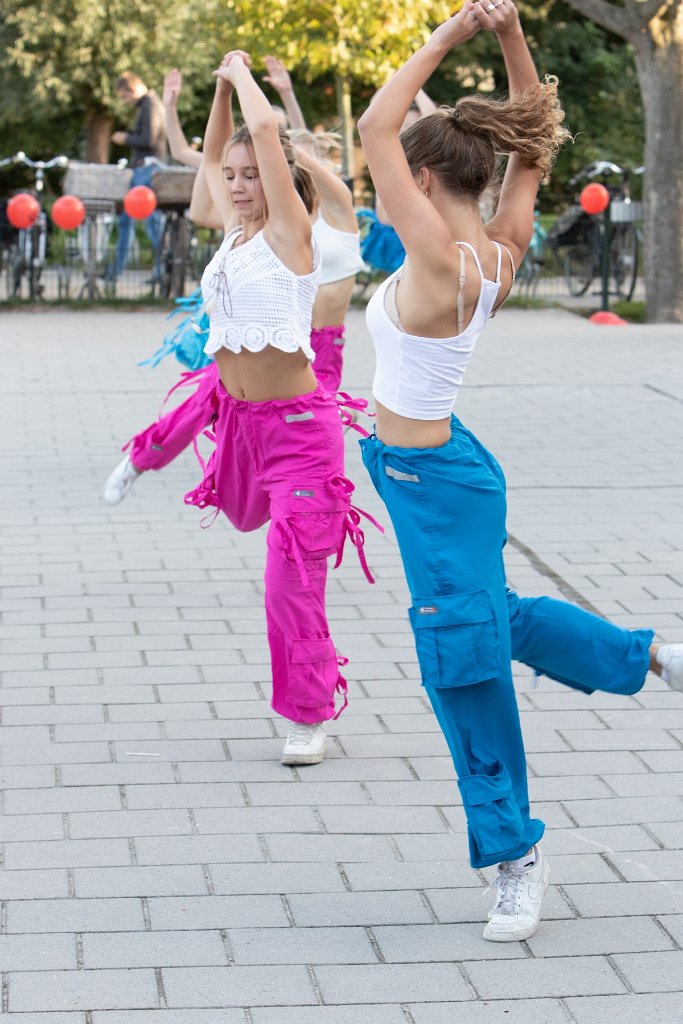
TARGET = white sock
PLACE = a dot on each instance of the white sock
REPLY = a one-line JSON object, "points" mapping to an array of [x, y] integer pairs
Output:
{"points": [[527, 861]]}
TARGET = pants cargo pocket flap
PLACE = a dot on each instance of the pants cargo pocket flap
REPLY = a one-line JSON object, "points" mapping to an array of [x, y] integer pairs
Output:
{"points": [[456, 639], [484, 789], [306, 651], [451, 610]]}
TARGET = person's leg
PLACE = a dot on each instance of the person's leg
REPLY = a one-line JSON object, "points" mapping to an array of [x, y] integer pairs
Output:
{"points": [[448, 509], [161, 442], [576, 648], [122, 244], [301, 470], [328, 345]]}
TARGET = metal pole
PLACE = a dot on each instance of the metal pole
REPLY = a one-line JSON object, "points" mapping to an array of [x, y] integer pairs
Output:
{"points": [[607, 241]]}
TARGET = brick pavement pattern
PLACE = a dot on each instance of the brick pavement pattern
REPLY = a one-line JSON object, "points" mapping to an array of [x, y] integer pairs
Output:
{"points": [[161, 867]]}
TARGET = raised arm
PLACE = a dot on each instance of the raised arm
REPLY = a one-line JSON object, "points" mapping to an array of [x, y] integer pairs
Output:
{"points": [[513, 222], [278, 77], [177, 143], [202, 207], [418, 224], [335, 196], [219, 128], [288, 228]]}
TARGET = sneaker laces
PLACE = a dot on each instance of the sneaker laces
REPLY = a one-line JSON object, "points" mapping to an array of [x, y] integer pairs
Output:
{"points": [[508, 887], [300, 733]]}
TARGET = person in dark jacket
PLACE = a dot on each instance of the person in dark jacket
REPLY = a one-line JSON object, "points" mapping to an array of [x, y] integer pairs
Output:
{"points": [[146, 138]]}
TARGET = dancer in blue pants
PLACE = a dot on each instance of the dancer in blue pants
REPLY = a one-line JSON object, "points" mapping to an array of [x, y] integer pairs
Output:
{"points": [[444, 491]]}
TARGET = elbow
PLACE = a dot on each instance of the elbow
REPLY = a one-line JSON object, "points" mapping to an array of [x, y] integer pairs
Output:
{"points": [[366, 123], [263, 127]]}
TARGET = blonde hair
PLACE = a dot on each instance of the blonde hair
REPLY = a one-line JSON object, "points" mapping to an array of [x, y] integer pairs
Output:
{"points": [[321, 144], [461, 143], [301, 176]]}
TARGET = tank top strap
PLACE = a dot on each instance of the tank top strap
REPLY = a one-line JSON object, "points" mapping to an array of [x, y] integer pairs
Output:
{"points": [[471, 249], [500, 247]]}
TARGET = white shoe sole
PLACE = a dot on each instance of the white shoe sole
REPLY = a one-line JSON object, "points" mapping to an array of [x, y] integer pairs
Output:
{"points": [[491, 935], [293, 759]]}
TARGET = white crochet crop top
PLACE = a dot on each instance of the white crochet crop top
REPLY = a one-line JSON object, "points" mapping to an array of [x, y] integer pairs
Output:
{"points": [[419, 377], [254, 300], [339, 251]]}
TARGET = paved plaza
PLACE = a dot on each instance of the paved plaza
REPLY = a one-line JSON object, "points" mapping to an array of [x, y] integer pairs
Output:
{"points": [[161, 867]]}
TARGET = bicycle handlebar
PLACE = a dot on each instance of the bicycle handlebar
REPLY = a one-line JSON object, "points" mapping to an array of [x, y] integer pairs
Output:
{"points": [[603, 168], [38, 165]]}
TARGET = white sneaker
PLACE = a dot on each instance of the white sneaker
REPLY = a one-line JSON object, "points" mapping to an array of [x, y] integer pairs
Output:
{"points": [[305, 744], [670, 657], [517, 911], [120, 481]]}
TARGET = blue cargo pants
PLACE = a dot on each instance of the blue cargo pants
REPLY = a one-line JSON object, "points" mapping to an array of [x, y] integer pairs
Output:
{"points": [[448, 509]]}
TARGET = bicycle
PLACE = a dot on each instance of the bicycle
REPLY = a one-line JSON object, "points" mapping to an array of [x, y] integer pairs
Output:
{"points": [[175, 257], [578, 239], [28, 250]]}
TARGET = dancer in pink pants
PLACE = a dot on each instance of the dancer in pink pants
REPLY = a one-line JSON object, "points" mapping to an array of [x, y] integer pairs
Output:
{"points": [[335, 231], [279, 441]]}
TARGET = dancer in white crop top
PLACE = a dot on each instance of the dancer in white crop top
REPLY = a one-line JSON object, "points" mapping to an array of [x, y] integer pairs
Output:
{"points": [[444, 491]]}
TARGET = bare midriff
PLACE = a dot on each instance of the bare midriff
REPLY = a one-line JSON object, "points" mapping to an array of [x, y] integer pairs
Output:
{"points": [[266, 375], [332, 302], [402, 432]]}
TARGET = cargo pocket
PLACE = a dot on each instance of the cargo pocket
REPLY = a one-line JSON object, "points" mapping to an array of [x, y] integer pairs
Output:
{"points": [[314, 672], [456, 639], [316, 518], [493, 817]]}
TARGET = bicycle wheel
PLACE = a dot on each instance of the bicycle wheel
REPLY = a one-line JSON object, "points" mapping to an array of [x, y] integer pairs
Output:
{"points": [[578, 268], [624, 259]]}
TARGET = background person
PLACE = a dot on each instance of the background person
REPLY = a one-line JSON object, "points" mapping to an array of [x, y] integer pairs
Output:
{"points": [[146, 138]]}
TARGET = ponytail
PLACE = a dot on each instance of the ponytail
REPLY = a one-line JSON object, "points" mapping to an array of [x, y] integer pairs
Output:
{"points": [[462, 143]]}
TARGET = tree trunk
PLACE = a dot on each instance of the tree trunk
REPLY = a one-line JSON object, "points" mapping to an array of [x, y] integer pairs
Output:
{"points": [[98, 138], [342, 88], [659, 59]]}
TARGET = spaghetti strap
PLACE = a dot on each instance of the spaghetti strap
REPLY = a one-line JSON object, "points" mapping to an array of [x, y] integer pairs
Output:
{"points": [[501, 247], [474, 256]]}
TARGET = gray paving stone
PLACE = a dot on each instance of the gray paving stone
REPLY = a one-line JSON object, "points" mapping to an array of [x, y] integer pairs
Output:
{"points": [[448, 943], [193, 912], [367, 820], [154, 949], [603, 839], [505, 1011], [630, 1009], [33, 885], [198, 849], [598, 936], [66, 854], [150, 822], [176, 880], [215, 1016], [392, 983], [275, 878], [328, 1015], [358, 908], [179, 795], [301, 946], [171, 750], [431, 874], [623, 810], [329, 848], [618, 899], [24, 952], [75, 915], [72, 990], [554, 977], [60, 799], [238, 986], [62, 753]]}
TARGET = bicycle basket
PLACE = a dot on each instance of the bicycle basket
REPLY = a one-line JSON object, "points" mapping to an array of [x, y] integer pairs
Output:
{"points": [[569, 228]]}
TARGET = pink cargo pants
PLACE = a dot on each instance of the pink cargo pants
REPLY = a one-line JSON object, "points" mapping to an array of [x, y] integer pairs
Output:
{"points": [[283, 461]]}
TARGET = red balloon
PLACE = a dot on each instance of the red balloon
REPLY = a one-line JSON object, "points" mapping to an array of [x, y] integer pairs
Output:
{"points": [[140, 202], [594, 198], [22, 210], [68, 212]]}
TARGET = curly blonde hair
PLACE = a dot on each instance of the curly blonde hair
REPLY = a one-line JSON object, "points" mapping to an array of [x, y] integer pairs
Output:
{"points": [[461, 143]]}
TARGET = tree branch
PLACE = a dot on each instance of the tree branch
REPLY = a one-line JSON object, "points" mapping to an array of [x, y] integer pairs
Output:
{"points": [[623, 21]]}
